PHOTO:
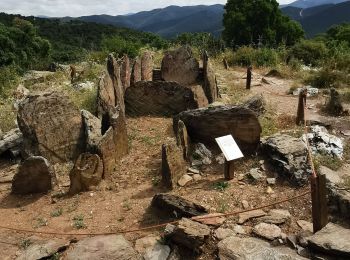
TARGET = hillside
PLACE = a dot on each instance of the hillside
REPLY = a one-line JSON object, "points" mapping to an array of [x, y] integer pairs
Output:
{"points": [[311, 3]]}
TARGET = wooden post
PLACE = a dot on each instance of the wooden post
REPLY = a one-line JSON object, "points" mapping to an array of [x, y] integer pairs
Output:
{"points": [[249, 77], [226, 64], [319, 202], [302, 102], [229, 170]]}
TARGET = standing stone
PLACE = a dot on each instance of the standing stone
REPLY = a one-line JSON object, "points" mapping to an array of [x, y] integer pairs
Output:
{"points": [[33, 176], [147, 66], [86, 174], [111, 247], [136, 71], [173, 163], [180, 66], [125, 72], [210, 84], [105, 96], [93, 131], [114, 72], [334, 105], [183, 140], [52, 127], [206, 124], [162, 98]]}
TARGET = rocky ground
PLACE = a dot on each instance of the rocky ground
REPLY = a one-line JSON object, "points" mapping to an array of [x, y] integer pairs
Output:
{"points": [[124, 203]]}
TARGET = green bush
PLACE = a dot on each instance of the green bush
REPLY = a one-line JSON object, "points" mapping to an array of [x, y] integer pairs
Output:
{"points": [[8, 79], [120, 46], [309, 52], [262, 57]]}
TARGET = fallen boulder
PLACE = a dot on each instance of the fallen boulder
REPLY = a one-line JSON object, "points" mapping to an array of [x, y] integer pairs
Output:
{"points": [[11, 142], [206, 124], [103, 247], [190, 234], [33, 176], [162, 98], [253, 248], [173, 163], [175, 206], [52, 127], [86, 174], [288, 155], [180, 66], [332, 240]]}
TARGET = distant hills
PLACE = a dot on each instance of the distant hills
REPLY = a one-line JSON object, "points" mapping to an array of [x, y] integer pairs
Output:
{"points": [[316, 16]]}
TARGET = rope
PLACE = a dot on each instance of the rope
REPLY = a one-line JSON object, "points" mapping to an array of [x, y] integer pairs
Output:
{"points": [[154, 226]]}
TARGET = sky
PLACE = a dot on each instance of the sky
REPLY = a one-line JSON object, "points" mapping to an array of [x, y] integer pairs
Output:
{"points": [[74, 8]]}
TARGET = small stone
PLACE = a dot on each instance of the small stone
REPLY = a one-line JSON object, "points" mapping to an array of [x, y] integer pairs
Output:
{"points": [[305, 225], [214, 219], [243, 217], [292, 241], [184, 180], [276, 216], [197, 177], [142, 244], [304, 252], [269, 190], [238, 229], [220, 159], [222, 233], [240, 177], [271, 181], [255, 174], [245, 204], [193, 170], [268, 231], [157, 252]]}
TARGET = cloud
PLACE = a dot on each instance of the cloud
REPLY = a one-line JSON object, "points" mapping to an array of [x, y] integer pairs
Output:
{"points": [[59, 8]]}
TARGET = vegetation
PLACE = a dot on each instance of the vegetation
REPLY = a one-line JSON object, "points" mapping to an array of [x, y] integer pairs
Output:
{"points": [[78, 222], [260, 23]]}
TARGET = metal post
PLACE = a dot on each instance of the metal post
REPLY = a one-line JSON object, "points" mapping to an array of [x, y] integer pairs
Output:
{"points": [[229, 170]]}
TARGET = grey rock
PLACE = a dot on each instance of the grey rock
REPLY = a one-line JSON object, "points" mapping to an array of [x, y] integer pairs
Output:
{"points": [[276, 216], [332, 239], [238, 229], [142, 244], [113, 247], [190, 234], [268, 231], [289, 157], [292, 241], [243, 217], [43, 249], [184, 180], [197, 177], [194, 171], [271, 181], [305, 225], [11, 140], [256, 104], [222, 233], [202, 153], [245, 204], [157, 252], [235, 248], [255, 174], [34, 176]]}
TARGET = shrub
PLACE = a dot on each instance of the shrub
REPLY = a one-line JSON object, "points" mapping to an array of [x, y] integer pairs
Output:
{"points": [[8, 79], [247, 55], [309, 52]]}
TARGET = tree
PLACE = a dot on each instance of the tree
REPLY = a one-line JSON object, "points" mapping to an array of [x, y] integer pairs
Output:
{"points": [[258, 22]]}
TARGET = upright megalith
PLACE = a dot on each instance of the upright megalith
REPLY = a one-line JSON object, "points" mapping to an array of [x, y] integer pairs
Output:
{"points": [[146, 66], [52, 127], [34, 176], [210, 84], [206, 124], [125, 72], [181, 66], [136, 71]]}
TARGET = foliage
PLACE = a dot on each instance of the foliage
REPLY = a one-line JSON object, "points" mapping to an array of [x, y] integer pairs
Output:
{"points": [[333, 163], [221, 186], [247, 55], [57, 212], [78, 222], [258, 22], [120, 46], [339, 33], [8, 79], [309, 52]]}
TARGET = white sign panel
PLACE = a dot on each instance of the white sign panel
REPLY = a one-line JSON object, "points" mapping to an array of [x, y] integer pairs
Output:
{"points": [[229, 147]]}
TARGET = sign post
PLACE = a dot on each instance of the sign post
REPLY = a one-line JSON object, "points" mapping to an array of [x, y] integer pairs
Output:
{"points": [[231, 152]]}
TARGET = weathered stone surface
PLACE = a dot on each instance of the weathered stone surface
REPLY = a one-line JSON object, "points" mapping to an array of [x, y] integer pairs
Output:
{"points": [[276, 216], [44, 249], [142, 244], [255, 174], [92, 129], [210, 84], [33, 176], [136, 71], [256, 104], [184, 141], [289, 157], [161, 98], [173, 163], [113, 69], [190, 234], [175, 206], [243, 217], [222, 233], [202, 154], [147, 66], [268, 231], [180, 66], [125, 72], [106, 95], [114, 143], [157, 252], [212, 219], [206, 124], [11, 140], [332, 239], [305, 226], [52, 127], [184, 180], [112, 247], [235, 248], [86, 174]]}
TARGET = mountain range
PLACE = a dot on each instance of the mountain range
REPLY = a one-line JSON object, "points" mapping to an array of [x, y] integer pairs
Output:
{"points": [[316, 16]]}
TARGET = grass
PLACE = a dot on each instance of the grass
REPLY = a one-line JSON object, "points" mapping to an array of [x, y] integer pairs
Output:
{"points": [[78, 222], [222, 206], [221, 186], [25, 243], [40, 222], [329, 161], [126, 205], [7, 118], [56, 213]]}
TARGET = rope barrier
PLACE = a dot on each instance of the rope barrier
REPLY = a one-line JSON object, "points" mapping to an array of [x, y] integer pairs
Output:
{"points": [[154, 226]]}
